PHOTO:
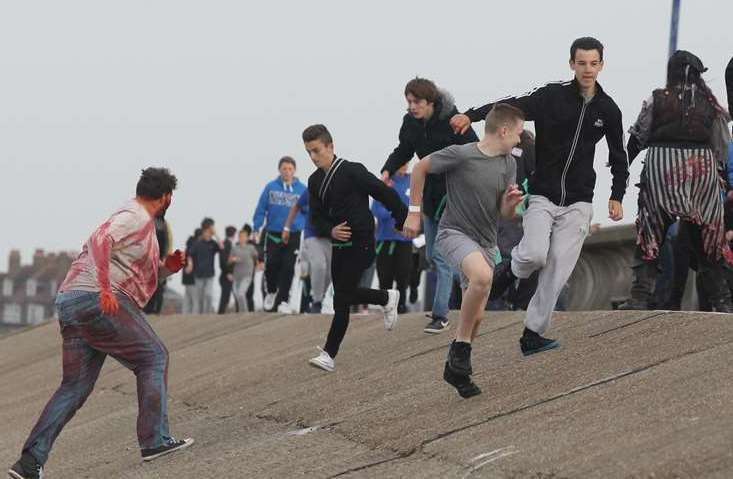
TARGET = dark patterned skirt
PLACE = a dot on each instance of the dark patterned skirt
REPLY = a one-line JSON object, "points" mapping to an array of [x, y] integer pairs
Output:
{"points": [[680, 183]]}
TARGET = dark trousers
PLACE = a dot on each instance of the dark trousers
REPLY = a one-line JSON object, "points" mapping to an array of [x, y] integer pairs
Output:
{"points": [[280, 264], [394, 259], [347, 265], [250, 295], [155, 305], [226, 293]]}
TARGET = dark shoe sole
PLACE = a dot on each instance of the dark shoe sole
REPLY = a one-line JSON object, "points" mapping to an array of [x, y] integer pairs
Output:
{"points": [[547, 347], [188, 443], [463, 384], [430, 330]]}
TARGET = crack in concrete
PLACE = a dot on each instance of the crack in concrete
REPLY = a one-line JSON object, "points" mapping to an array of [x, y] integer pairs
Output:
{"points": [[399, 457], [564, 394], [445, 346], [616, 328]]}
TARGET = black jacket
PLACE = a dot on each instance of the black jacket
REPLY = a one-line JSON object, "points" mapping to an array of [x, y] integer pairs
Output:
{"points": [[567, 132], [343, 194], [421, 138]]}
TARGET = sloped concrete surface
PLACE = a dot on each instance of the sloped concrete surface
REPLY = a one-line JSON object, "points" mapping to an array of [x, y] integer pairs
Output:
{"points": [[629, 394]]}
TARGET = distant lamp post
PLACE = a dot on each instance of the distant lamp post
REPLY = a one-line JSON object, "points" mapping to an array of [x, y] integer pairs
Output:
{"points": [[674, 27]]}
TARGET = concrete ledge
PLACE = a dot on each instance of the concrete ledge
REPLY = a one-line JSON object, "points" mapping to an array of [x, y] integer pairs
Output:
{"points": [[634, 394]]}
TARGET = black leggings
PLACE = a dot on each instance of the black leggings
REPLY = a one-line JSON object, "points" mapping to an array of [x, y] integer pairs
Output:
{"points": [[394, 262], [347, 265]]}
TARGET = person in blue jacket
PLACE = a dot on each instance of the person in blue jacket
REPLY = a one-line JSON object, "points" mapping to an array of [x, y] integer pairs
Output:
{"points": [[269, 219], [394, 251]]}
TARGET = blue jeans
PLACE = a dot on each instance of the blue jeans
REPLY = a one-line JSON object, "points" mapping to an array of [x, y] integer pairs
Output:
{"points": [[443, 272], [88, 337]]}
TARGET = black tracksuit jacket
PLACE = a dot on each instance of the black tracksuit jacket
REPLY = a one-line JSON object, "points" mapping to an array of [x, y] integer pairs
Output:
{"points": [[418, 137], [345, 197], [567, 131], [729, 85]]}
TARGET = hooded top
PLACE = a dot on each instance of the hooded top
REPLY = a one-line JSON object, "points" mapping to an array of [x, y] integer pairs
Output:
{"points": [[274, 206], [418, 137]]}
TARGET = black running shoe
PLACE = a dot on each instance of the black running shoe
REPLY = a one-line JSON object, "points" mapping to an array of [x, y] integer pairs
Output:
{"points": [[532, 343], [315, 308], [503, 278], [170, 446], [401, 309], [437, 325], [459, 358], [26, 468], [463, 384], [413, 295]]}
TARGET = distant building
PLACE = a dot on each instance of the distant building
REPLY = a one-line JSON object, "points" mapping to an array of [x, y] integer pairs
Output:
{"points": [[27, 292]]}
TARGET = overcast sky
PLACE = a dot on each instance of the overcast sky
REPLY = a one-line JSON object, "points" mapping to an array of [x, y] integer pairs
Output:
{"points": [[91, 92]]}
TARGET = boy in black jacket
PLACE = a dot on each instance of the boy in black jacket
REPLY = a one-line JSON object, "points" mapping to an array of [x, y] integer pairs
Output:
{"points": [[570, 118], [339, 207], [426, 129]]}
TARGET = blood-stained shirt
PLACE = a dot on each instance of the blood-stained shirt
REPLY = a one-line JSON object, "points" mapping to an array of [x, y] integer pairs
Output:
{"points": [[122, 254]]}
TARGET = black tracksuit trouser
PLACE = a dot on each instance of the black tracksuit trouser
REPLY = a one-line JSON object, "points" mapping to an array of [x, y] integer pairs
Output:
{"points": [[347, 265]]}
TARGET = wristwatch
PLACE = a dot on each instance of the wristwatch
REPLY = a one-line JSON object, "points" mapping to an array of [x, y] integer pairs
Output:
{"points": [[413, 209]]}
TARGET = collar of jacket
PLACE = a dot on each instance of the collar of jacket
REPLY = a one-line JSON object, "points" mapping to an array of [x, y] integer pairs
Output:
{"points": [[576, 89]]}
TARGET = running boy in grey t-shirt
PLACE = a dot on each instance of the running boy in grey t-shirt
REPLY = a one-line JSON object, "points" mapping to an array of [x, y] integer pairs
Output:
{"points": [[480, 180]]}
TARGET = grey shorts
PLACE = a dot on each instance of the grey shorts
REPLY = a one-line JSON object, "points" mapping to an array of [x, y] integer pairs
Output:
{"points": [[455, 246]]}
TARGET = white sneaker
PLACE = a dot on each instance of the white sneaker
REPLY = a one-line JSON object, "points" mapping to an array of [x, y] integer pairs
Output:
{"points": [[269, 301], [284, 308], [390, 310], [323, 361]]}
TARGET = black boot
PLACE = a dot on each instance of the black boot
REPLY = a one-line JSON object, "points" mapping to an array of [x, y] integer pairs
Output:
{"points": [[459, 358], [643, 276], [716, 289]]}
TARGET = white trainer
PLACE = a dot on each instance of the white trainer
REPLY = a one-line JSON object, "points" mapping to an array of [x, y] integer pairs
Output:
{"points": [[269, 301], [390, 310], [285, 308], [323, 361]]}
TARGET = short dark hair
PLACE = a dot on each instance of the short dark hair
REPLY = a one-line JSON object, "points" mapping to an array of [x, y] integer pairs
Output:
{"points": [[230, 231], [503, 114], [155, 183], [286, 159], [246, 228], [586, 43], [317, 132], [206, 223], [422, 89]]}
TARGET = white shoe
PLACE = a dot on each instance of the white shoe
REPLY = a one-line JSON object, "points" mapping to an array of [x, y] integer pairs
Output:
{"points": [[323, 361], [269, 301], [284, 308], [390, 310]]}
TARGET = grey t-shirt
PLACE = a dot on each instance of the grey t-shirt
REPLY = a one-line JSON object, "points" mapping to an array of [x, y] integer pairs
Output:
{"points": [[475, 184], [246, 264]]}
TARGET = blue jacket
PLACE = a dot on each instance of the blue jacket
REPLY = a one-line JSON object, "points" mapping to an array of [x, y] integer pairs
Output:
{"points": [[385, 222], [274, 206]]}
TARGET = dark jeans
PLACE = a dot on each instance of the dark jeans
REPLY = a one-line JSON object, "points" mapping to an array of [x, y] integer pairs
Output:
{"points": [[394, 261], [280, 264], [88, 338], [226, 293], [347, 265]]}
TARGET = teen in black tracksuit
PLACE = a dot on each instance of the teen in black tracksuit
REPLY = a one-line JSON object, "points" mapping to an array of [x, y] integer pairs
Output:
{"points": [[570, 118], [729, 85], [339, 193]]}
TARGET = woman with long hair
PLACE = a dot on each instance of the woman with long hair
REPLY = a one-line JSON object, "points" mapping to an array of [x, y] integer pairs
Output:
{"points": [[684, 129]]}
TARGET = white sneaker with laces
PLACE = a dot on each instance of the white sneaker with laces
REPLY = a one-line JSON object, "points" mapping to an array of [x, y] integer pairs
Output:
{"points": [[390, 310], [323, 361], [269, 301]]}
